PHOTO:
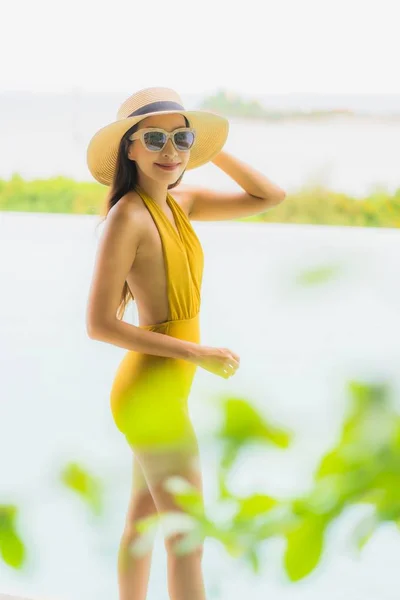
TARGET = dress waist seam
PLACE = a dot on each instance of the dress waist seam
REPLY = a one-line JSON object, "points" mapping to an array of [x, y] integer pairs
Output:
{"points": [[170, 322]]}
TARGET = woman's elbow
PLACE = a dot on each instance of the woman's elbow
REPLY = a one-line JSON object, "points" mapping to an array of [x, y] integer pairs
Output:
{"points": [[92, 331], [97, 330]]}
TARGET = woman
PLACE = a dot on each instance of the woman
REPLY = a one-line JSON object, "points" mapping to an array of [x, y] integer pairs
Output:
{"points": [[150, 252]]}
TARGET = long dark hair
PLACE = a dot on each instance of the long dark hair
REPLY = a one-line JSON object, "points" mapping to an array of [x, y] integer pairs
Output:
{"points": [[125, 179]]}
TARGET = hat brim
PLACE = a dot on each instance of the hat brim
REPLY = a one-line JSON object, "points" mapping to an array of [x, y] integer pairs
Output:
{"points": [[211, 134]]}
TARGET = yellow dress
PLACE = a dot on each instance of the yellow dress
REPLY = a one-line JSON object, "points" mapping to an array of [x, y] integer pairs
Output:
{"points": [[149, 393]]}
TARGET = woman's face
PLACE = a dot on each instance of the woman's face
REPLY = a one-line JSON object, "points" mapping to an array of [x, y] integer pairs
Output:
{"points": [[146, 161]]}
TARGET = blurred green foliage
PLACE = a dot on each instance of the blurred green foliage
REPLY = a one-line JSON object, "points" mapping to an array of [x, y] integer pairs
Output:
{"points": [[317, 205], [86, 486], [55, 195], [363, 468], [310, 205], [235, 106], [232, 104], [243, 425], [12, 548]]}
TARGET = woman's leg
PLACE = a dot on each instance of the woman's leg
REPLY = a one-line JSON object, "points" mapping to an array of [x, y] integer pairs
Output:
{"points": [[133, 570], [185, 579]]}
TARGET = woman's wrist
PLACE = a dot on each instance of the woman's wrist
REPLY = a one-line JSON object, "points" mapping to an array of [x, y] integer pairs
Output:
{"points": [[192, 351]]}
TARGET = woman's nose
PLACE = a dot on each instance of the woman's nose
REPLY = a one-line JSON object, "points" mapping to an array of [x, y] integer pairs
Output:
{"points": [[170, 148]]}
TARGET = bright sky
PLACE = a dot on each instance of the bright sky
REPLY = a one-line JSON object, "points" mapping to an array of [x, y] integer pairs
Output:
{"points": [[251, 47]]}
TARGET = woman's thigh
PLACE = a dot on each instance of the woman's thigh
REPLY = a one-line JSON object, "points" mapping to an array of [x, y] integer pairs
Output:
{"points": [[159, 463]]}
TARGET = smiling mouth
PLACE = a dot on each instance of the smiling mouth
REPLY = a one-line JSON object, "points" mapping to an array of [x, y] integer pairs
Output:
{"points": [[167, 167]]}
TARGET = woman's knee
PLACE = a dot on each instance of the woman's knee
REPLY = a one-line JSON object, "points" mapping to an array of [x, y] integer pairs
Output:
{"points": [[171, 541], [141, 506], [131, 530]]}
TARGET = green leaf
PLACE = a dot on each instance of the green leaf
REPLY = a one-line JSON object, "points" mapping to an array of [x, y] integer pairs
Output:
{"points": [[364, 530], [384, 493], [12, 549], [234, 547], [186, 495], [254, 560], [332, 463], [366, 395], [325, 498], [82, 483], [243, 423], [253, 506], [8, 513], [395, 437], [223, 489], [304, 547]]}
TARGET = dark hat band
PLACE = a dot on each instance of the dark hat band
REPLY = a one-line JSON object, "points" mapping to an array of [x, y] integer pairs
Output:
{"points": [[156, 107]]}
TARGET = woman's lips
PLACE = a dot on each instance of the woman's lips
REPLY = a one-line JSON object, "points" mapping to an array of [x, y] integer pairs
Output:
{"points": [[168, 167]]}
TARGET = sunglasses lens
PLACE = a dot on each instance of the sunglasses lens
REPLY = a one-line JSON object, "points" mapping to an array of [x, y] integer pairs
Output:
{"points": [[184, 140], [154, 140]]}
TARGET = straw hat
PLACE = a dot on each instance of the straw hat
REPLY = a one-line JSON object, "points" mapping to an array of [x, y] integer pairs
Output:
{"points": [[211, 130]]}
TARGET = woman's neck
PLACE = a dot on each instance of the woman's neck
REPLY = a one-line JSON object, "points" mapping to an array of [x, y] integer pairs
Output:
{"points": [[157, 191]]}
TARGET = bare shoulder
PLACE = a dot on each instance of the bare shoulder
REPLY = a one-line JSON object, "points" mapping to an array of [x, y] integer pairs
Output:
{"points": [[124, 225], [129, 209], [130, 204]]}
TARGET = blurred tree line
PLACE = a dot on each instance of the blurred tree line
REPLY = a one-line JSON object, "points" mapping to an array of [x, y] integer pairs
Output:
{"points": [[232, 104], [309, 205]]}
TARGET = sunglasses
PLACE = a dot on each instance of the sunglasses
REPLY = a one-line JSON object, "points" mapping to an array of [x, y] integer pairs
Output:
{"points": [[155, 139]]}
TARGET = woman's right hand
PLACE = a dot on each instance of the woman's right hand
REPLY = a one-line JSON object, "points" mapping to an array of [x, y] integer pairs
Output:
{"points": [[220, 361]]}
